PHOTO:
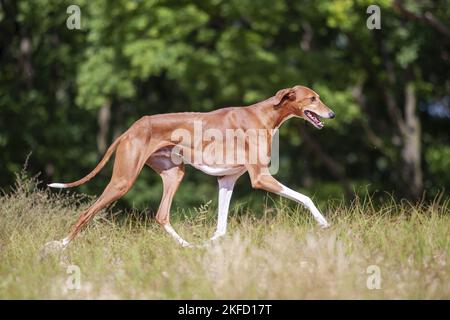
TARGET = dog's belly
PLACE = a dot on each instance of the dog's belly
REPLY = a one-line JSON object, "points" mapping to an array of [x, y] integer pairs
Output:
{"points": [[218, 171]]}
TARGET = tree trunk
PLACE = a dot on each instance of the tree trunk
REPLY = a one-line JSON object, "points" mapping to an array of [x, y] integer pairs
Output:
{"points": [[103, 119], [411, 146], [408, 125]]}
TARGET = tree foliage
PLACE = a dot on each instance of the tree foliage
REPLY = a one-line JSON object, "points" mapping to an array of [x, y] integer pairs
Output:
{"points": [[64, 93]]}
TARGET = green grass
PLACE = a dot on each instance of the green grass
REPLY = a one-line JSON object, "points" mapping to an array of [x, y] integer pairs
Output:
{"points": [[276, 253]]}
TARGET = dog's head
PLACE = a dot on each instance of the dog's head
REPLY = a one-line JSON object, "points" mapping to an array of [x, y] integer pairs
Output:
{"points": [[304, 103]]}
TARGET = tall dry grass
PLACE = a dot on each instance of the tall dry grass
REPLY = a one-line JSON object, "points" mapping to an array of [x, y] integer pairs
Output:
{"points": [[278, 254]]}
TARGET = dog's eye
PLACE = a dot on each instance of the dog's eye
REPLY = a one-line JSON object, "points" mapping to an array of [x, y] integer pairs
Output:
{"points": [[313, 99]]}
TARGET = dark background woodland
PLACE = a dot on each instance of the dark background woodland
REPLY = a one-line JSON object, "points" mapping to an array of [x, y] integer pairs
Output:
{"points": [[66, 94]]}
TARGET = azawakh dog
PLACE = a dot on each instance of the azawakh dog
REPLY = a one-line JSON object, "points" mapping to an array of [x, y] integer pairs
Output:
{"points": [[152, 141]]}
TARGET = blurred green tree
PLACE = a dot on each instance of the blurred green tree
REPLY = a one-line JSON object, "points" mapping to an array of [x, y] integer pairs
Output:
{"points": [[65, 94]]}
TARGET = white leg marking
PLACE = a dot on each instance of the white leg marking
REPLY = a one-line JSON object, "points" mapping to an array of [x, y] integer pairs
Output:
{"points": [[176, 236], [306, 201], [65, 241], [57, 185], [226, 185]]}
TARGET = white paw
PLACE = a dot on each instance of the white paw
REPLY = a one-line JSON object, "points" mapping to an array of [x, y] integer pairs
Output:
{"points": [[186, 244], [210, 241], [216, 236]]}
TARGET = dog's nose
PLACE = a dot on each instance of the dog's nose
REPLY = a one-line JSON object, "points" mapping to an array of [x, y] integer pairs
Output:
{"points": [[331, 115]]}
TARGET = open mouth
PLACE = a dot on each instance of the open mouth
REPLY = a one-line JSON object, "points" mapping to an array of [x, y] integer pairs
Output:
{"points": [[314, 119]]}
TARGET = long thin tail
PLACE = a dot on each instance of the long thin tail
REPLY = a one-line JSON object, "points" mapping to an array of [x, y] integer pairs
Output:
{"points": [[97, 169]]}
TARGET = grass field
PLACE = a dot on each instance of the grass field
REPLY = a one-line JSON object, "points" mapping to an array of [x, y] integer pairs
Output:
{"points": [[277, 253]]}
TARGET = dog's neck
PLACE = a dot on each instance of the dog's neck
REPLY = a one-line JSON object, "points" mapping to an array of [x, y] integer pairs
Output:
{"points": [[271, 117]]}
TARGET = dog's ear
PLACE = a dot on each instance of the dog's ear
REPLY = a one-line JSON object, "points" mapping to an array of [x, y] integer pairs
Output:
{"points": [[283, 94]]}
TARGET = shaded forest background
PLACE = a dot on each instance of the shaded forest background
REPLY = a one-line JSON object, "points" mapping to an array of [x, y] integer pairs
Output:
{"points": [[66, 94]]}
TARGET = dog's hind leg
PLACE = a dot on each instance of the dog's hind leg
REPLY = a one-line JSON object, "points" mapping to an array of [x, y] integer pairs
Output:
{"points": [[171, 175], [131, 155]]}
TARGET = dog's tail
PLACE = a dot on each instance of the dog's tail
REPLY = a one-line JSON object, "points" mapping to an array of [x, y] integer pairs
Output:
{"points": [[97, 169]]}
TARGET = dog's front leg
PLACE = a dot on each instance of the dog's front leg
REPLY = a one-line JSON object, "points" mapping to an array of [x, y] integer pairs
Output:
{"points": [[262, 179], [307, 202], [226, 185]]}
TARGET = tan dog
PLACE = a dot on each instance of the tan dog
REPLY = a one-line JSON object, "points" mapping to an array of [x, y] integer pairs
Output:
{"points": [[156, 141]]}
